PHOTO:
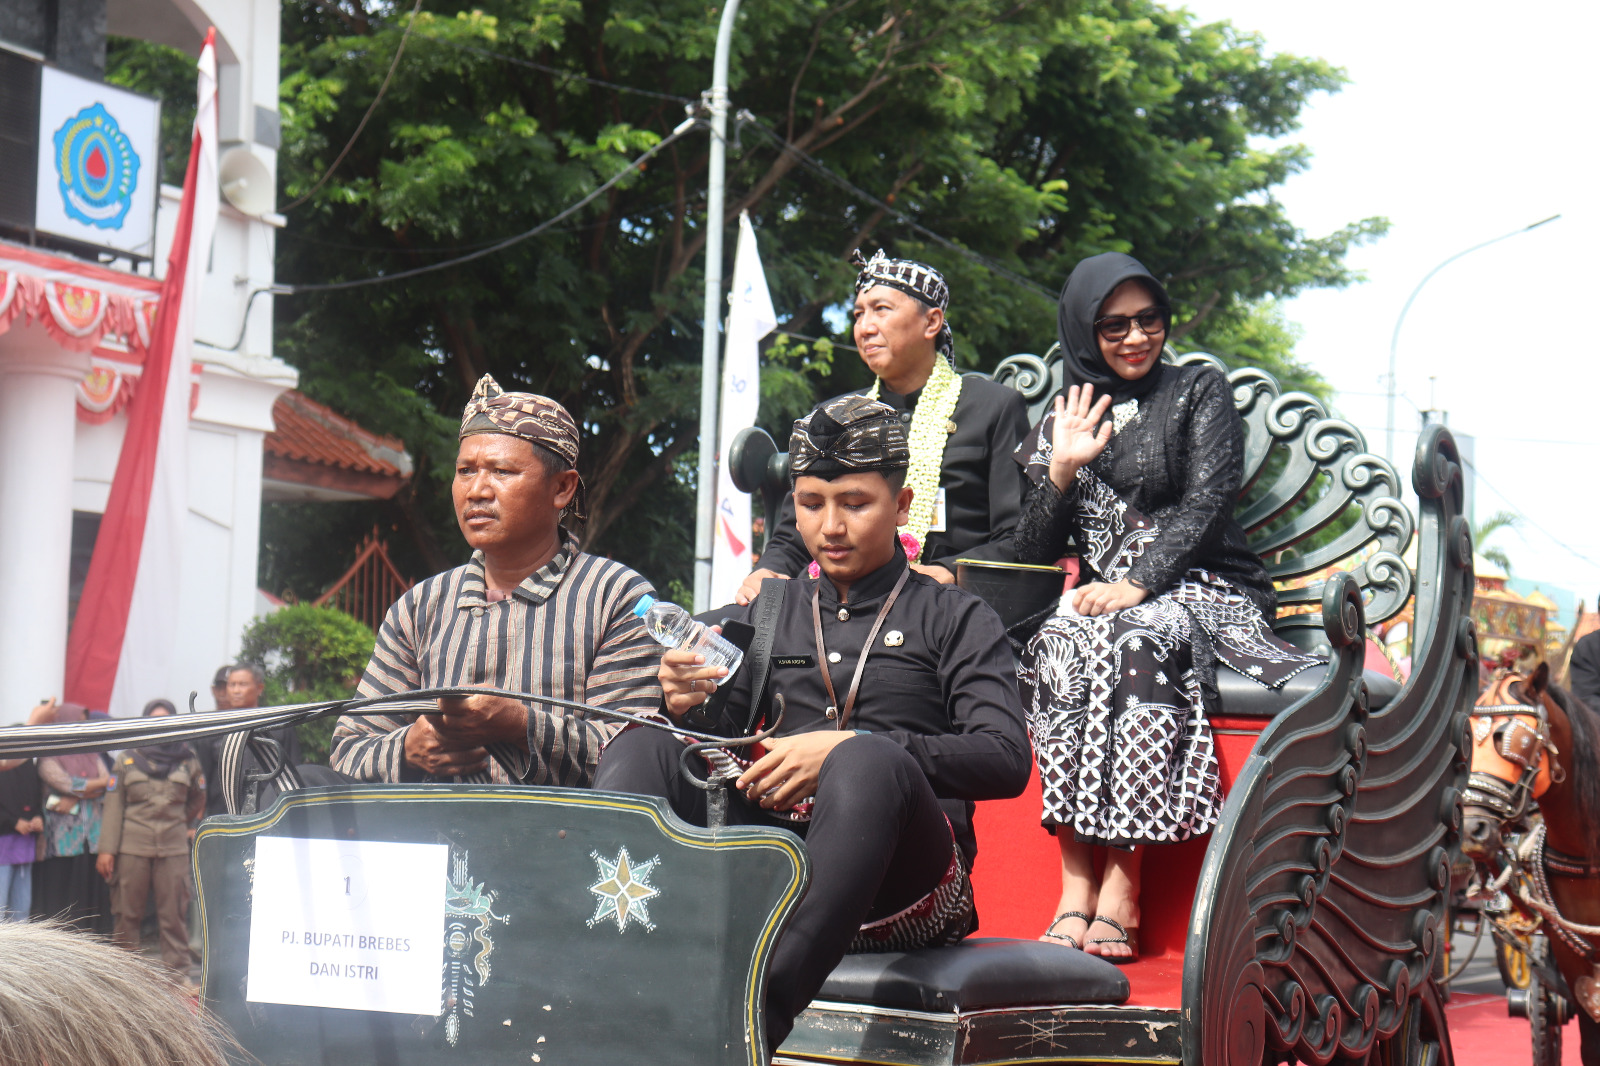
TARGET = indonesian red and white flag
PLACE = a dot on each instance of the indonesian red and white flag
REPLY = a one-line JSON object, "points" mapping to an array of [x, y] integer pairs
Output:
{"points": [[126, 630], [750, 318]]}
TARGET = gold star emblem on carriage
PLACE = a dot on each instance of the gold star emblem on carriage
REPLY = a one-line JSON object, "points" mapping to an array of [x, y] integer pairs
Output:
{"points": [[624, 890]]}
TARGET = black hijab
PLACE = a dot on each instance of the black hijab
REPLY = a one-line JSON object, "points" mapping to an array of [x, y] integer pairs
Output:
{"points": [[159, 760], [1088, 286]]}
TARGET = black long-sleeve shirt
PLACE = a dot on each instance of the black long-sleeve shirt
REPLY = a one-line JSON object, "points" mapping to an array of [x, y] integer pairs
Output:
{"points": [[1584, 670], [19, 795], [1180, 462], [983, 488], [940, 680]]}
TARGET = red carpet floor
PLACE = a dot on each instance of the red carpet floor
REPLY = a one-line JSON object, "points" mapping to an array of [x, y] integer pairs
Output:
{"points": [[1482, 1034]]}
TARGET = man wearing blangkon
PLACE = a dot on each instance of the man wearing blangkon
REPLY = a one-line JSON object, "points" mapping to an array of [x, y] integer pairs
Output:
{"points": [[901, 708], [529, 612], [961, 429]]}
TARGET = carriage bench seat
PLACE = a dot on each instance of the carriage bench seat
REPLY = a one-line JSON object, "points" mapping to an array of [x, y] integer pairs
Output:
{"points": [[980, 1001], [976, 974], [1244, 698]]}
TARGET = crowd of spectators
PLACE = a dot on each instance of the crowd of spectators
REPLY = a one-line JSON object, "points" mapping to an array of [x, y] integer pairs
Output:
{"points": [[100, 843]]}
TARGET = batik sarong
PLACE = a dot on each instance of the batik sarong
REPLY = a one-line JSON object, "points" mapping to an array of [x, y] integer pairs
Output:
{"points": [[1117, 703]]}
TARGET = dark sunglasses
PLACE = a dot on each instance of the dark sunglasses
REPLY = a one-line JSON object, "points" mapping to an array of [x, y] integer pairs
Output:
{"points": [[1150, 322]]}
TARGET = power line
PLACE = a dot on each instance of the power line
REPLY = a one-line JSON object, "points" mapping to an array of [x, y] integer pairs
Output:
{"points": [[282, 289], [500, 245], [1524, 514], [399, 51], [564, 74]]}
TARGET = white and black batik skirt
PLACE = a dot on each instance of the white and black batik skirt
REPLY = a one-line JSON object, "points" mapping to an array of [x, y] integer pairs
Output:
{"points": [[1118, 721]]}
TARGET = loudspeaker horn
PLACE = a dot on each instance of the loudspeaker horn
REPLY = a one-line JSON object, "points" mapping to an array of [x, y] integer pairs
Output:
{"points": [[246, 182]]}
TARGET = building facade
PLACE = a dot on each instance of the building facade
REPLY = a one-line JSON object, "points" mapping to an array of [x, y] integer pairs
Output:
{"points": [[71, 345]]}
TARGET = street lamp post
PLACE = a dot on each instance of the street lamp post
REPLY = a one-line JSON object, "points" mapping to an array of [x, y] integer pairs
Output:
{"points": [[716, 102], [1394, 339]]}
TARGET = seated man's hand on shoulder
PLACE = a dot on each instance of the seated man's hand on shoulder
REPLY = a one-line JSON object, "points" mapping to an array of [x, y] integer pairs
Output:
{"points": [[788, 772], [686, 682], [439, 754], [939, 573], [752, 585]]}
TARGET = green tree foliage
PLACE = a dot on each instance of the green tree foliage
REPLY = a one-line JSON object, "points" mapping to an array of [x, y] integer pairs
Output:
{"points": [[1481, 532], [170, 76], [310, 654], [1031, 133]]}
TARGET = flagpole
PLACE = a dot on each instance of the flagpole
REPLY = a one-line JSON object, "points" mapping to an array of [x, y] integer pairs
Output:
{"points": [[716, 102]]}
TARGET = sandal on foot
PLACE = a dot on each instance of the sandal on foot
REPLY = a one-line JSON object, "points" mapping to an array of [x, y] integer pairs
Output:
{"points": [[1072, 941], [1129, 937]]}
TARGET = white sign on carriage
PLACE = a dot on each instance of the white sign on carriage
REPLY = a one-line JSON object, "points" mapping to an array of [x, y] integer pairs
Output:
{"points": [[346, 923]]}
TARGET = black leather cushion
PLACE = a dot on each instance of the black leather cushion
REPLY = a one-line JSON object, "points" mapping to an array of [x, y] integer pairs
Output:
{"points": [[974, 974], [1244, 697]]}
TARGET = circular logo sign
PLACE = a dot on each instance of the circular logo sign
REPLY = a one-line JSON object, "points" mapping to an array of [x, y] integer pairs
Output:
{"points": [[97, 168]]}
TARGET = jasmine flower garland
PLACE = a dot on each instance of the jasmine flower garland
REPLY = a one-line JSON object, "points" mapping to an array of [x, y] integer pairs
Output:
{"points": [[930, 432]]}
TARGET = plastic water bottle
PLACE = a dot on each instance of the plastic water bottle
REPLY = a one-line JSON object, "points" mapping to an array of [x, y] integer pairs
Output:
{"points": [[673, 627]]}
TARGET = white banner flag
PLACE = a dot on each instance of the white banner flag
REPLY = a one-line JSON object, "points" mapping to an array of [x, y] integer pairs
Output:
{"points": [[750, 318]]}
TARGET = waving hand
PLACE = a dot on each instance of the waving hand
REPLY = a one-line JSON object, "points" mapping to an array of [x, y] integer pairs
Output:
{"points": [[1075, 442]]}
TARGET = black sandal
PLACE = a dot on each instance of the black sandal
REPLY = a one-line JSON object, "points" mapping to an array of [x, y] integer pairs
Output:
{"points": [[1051, 934], [1123, 937]]}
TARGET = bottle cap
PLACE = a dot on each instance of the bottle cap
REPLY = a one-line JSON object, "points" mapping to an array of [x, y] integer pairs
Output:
{"points": [[645, 603]]}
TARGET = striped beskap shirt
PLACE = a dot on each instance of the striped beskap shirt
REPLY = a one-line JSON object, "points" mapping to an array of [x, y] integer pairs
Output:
{"points": [[567, 631]]}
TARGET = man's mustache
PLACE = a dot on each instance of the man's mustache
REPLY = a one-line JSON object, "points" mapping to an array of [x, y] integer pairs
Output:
{"points": [[480, 512]]}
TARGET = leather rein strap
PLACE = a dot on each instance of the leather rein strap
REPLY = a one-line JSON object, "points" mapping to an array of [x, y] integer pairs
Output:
{"points": [[866, 649]]}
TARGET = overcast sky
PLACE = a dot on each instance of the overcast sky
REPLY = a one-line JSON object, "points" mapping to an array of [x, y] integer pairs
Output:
{"points": [[1462, 121]]}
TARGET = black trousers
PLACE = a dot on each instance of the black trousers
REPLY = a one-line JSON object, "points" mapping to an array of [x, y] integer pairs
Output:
{"points": [[877, 839]]}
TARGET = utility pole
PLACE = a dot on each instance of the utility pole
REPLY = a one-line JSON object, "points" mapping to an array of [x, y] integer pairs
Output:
{"points": [[716, 102], [1394, 340]]}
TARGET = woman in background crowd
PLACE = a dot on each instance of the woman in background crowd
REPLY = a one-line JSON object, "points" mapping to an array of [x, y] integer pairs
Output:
{"points": [[65, 882], [144, 840], [20, 826]]}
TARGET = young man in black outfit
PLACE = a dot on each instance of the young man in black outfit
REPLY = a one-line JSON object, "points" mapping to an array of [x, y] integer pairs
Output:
{"points": [[901, 709]]}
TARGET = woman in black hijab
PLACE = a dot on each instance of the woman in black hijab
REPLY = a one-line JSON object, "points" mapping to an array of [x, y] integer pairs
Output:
{"points": [[1139, 463]]}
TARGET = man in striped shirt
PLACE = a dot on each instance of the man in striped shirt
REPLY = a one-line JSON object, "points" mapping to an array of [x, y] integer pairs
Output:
{"points": [[529, 612]]}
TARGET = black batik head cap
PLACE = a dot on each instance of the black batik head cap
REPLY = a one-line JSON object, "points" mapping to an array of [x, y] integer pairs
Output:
{"points": [[913, 279], [1089, 285], [848, 435]]}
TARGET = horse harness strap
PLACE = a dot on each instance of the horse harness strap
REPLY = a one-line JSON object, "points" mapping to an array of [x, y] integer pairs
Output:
{"points": [[1560, 864], [1534, 857]]}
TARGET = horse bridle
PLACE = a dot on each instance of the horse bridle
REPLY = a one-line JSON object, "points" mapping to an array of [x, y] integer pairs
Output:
{"points": [[1521, 744]]}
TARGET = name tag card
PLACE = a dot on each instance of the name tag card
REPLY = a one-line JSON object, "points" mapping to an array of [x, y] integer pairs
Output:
{"points": [[352, 924]]}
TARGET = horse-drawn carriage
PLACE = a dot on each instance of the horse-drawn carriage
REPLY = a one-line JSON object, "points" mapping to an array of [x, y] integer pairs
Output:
{"points": [[576, 926]]}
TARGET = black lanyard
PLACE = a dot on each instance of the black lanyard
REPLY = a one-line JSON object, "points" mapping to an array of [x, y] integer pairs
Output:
{"points": [[866, 649]]}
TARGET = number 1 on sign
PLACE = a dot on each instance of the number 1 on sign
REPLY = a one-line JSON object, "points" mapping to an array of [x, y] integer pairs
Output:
{"points": [[347, 886]]}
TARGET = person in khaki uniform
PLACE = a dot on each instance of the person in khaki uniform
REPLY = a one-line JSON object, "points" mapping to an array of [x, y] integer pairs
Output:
{"points": [[144, 840]]}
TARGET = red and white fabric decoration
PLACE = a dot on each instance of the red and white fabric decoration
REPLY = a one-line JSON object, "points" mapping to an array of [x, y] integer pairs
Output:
{"points": [[86, 308], [124, 635]]}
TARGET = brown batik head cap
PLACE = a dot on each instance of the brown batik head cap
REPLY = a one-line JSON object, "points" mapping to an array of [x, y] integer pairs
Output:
{"points": [[536, 419], [848, 435]]}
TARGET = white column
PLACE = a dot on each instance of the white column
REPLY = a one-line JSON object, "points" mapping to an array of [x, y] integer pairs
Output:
{"points": [[37, 427]]}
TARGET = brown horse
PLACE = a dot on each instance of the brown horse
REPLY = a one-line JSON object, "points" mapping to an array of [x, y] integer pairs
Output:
{"points": [[1532, 742]]}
